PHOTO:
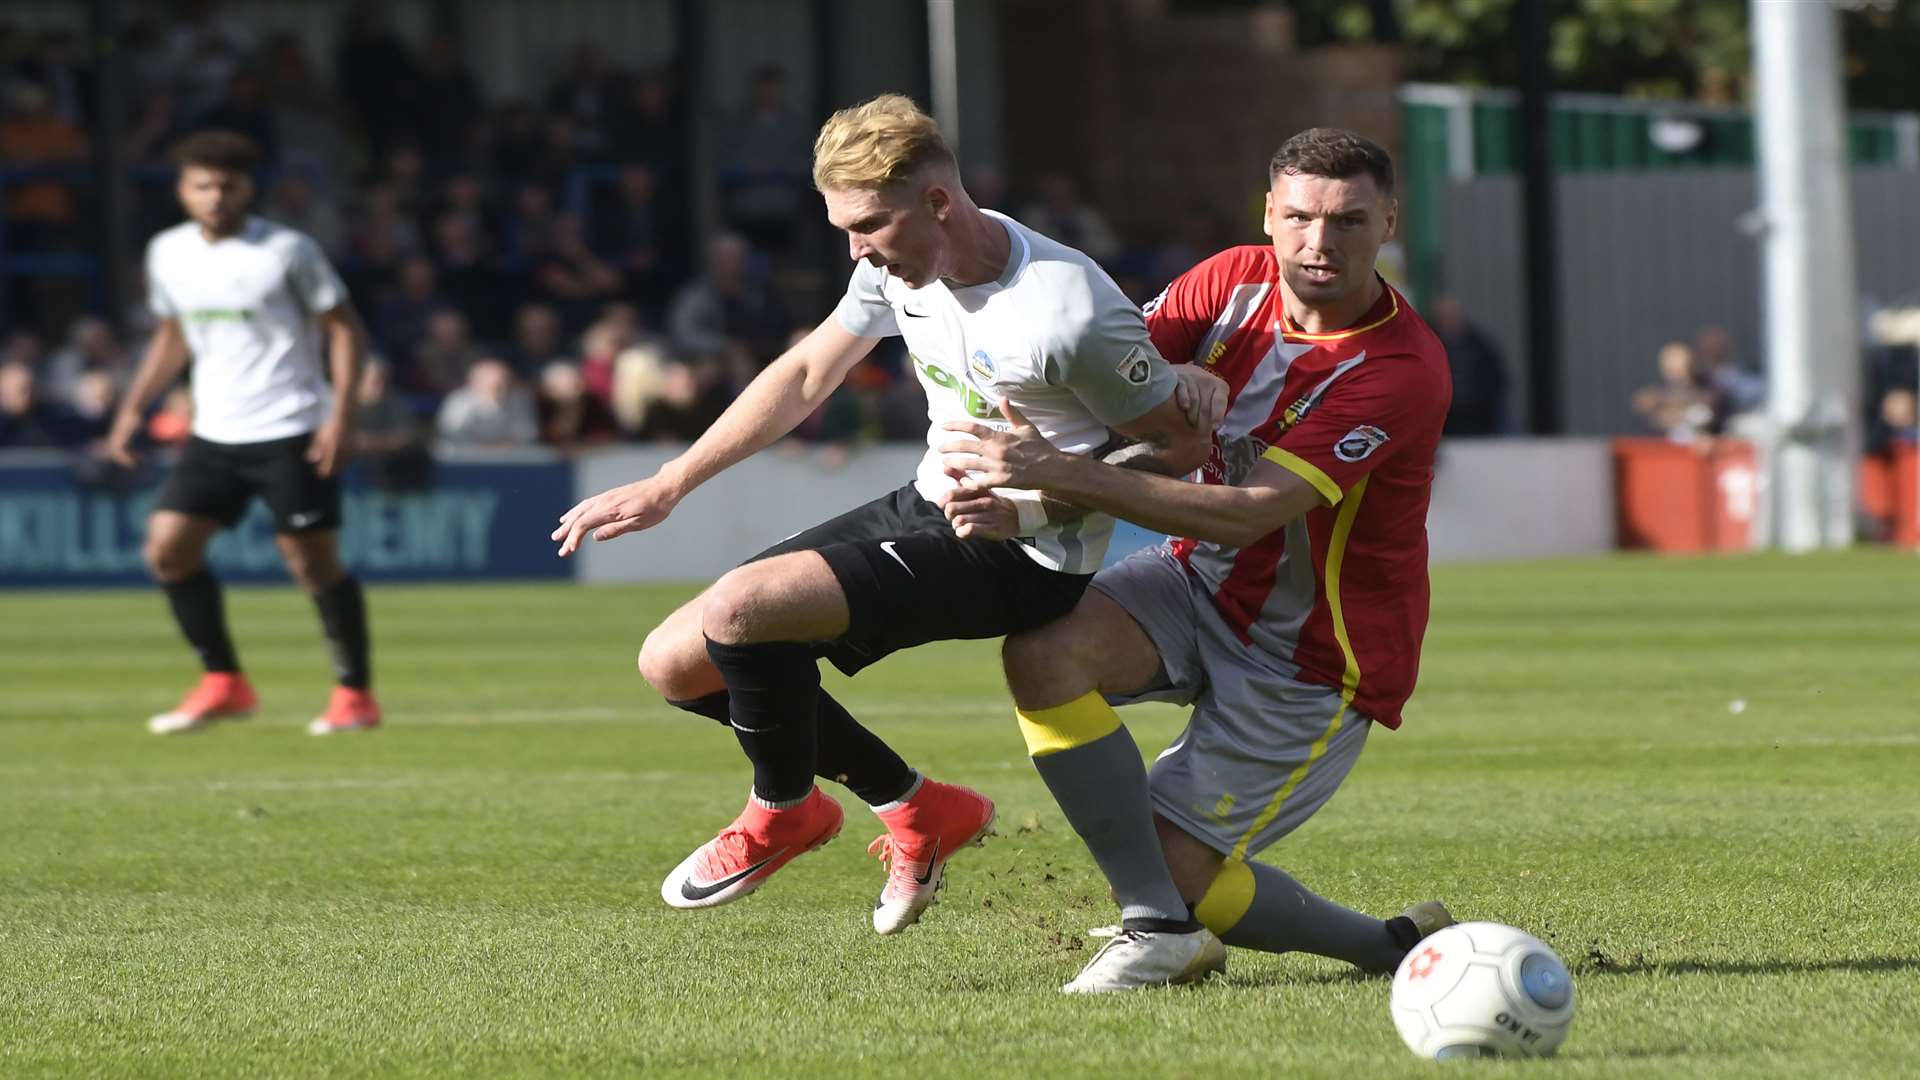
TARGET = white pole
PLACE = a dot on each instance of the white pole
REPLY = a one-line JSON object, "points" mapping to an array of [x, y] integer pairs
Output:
{"points": [[943, 62], [1812, 309]]}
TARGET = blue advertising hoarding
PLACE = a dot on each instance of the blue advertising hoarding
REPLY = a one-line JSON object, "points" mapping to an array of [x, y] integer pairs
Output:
{"points": [[478, 520]]}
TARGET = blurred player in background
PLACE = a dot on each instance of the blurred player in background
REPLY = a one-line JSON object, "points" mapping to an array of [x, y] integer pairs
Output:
{"points": [[991, 312], [1291, 611], [262, 318]]}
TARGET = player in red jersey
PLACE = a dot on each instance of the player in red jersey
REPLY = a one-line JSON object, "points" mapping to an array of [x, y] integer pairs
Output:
{"points": [[1290, 612]]}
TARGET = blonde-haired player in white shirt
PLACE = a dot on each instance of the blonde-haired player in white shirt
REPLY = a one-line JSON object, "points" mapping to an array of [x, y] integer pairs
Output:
{"points": [[263, 319], [991, 312]]}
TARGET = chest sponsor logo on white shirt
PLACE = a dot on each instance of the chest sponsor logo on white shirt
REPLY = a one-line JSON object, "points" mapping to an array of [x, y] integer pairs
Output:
{"points": [[1359, 443], [1135, 367]]}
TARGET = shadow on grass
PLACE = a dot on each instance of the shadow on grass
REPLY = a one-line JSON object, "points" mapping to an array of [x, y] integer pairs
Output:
{"points": [[1606, 965], [1870, 965]]}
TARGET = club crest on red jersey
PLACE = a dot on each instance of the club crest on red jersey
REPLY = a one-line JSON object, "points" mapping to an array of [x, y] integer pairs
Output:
{"points": [[1359, 443]]}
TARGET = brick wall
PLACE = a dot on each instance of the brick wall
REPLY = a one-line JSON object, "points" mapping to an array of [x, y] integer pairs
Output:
{"points": [[1151, 111]]}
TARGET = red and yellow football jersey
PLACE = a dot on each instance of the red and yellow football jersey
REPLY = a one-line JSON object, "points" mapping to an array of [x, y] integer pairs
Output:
{"points": [[1340, 594]]}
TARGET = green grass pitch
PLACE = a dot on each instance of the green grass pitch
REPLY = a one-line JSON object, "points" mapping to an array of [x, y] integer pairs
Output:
{"points": [[474, 889]]}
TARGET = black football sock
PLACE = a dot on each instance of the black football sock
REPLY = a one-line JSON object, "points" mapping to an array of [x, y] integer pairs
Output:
{"points": [[343, 615], [197, 607], [845, 752], [850, 754], [773, 693]]}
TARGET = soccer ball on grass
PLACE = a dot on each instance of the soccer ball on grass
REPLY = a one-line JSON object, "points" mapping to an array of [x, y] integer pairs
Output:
{"points": [[1482, 990]]}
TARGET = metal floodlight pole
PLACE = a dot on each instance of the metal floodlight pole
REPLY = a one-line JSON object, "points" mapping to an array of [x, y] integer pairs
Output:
{"points": [[1811, 306], [943, 67]]}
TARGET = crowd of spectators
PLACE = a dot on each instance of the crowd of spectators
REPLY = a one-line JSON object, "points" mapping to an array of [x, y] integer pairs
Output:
{"points": [[527, 267]]}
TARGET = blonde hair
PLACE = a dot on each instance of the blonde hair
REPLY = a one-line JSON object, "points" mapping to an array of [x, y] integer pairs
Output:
{"points": [[877, 143]]}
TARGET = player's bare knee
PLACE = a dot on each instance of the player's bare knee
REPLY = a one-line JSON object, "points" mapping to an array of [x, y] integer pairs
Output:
{"points": [[170, 560], [1049, 661], [727, 611], [668, 661]]}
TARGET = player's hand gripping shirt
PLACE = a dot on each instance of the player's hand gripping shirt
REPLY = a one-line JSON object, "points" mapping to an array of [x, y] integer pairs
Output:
{"points": [[1053, 334], [1340, 593], [246, 304]]}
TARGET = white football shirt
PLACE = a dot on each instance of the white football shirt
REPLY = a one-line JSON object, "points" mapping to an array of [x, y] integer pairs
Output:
{"points": [[246, 304], [1053, 334]]}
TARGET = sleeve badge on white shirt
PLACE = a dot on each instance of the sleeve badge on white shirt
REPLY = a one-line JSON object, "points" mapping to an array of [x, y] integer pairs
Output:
{"points": [[1359, 443], [1135, 367]]}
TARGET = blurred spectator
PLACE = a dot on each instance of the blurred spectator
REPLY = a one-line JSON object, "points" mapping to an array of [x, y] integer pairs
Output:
{"points": [[92, 402], [571, 276], [244, 109], [765, 154], [727, 318], [290, 202], [529, 231], [489, 410], [646, 128], [569, 416], [1738, 390], [22, 347], [1892, 380], [536, 339], [449, 103], [589, 94], [1680, 404], [600, 349], [400, 318], [376, 76], [306, 116], [1900, 418], [91, 348], [382, 231], [1061, 215], [518, 143], [442, 360], [631, 237], [1479, 374], [59, 67], [40, 213], [467, 273], [173, 422], [27, 419], [386, 435]]}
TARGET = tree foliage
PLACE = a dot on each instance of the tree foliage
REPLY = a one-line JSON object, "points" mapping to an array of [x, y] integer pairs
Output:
{"points": [[1641, 48]]}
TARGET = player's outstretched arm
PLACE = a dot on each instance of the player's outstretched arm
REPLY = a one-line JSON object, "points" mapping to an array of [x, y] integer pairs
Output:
{"points": [[1238, 515], [166, 357], [772, 405], [346, 340]]}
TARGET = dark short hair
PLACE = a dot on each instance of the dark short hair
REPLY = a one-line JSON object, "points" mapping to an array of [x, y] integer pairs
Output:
{"points": [[1335, 153], [227, 150]]}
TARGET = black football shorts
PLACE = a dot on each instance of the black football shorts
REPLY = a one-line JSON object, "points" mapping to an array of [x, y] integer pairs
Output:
{"points": [[219, 480], [909, 580]]}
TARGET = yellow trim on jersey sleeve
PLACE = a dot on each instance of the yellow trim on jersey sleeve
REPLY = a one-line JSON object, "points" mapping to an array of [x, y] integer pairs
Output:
{"points": [[1305, 470], [1349, 679]]}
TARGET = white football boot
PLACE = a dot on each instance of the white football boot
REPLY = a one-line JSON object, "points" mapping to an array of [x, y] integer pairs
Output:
{"points": [[1132, 959]]}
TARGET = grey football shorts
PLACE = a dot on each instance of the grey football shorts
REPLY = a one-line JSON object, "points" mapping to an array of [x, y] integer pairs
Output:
{"points": [[1262, 751]]}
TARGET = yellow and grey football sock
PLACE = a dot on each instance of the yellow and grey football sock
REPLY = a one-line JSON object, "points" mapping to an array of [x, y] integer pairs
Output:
{"points": [[1255, 906], [1090, 762]]}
